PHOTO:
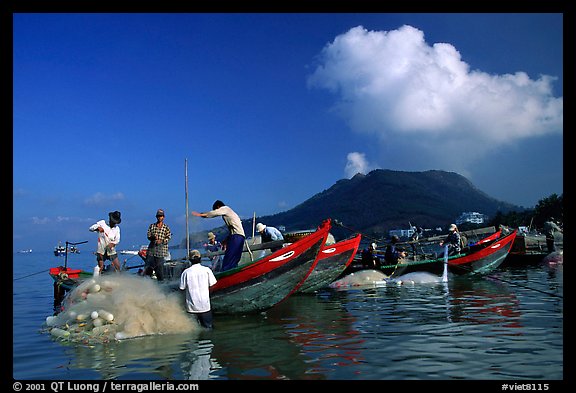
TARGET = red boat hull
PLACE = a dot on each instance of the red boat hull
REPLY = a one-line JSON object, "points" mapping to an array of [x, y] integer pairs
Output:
{"points": [[485, 259], [332, 261], [480, 259], [268, 281]]}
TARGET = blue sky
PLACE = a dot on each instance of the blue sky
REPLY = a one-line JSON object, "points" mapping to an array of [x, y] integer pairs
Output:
{"points": [[269, 110]]}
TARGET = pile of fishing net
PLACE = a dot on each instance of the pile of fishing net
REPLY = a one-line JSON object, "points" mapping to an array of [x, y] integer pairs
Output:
{"points": [[119, 306]]}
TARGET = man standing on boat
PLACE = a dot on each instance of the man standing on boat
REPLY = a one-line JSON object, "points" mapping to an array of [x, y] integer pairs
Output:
{"points": [[234, 243], [108, 238], [159, 235], [550, 228], [452, 240]]}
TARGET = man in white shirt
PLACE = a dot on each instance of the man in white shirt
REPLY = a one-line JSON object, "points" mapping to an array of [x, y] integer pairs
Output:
{"points": [[108, 238], [234, 243], [197, 280]]}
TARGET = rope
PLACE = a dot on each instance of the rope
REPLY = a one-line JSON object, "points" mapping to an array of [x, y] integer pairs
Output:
{"points": [[31, 274], [513, 283]]}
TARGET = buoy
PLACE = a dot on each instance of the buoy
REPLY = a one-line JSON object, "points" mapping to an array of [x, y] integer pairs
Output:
{"points": [[81, 317], [51, 320], [94, 314], [101, 329], [120, 336], [97, 322], [57, 332], [95, 297], [107, 316], [94, 288]]}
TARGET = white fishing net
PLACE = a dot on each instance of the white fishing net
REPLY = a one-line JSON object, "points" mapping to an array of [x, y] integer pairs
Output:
{"points": [[120, 306]]}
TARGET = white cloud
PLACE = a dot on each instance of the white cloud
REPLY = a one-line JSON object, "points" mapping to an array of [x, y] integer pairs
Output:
{"points": [[40, 220], [357, 163], [392, 83], [100, 199]]}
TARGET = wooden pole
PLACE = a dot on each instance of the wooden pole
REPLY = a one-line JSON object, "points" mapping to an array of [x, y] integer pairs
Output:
{"points": [[253, 227], [186, 191]]}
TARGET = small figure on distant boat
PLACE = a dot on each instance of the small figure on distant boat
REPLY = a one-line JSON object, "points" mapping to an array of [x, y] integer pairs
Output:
{"points": [[108, 239], [269, 234], [369, 258], [197, 280], [550, 228], [234, 243], [214, 245], [418, 233], [159, 235], [393, 253], [453, 240]]}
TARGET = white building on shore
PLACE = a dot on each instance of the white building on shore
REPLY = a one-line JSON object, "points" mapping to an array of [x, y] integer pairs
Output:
{"points": [[471, 217]]}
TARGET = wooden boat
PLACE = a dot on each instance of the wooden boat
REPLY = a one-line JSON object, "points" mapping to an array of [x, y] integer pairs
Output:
{"points": [[332, 261], [65, 279], [531, 248], [478, 259], [61, 250], [422, 247], [262, 284]]}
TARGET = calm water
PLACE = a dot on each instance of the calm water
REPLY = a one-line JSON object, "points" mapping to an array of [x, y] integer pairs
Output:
{"points": [[508, 327]]}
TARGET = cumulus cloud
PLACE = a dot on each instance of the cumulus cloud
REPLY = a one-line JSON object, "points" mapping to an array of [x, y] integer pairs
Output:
{"points": [[100, 199], [357, 163], [40, 220], [392, 83]]}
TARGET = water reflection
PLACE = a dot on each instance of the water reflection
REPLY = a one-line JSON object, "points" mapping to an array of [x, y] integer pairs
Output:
{"points": [[302, 338], [484, 301], [136, 358]]}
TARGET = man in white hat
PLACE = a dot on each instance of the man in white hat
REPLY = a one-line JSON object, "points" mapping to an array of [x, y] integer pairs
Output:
{"points": [[214, 245], [452, 240], [269, 234]]}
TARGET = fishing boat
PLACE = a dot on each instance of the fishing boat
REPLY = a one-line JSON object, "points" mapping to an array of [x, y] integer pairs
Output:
{"points": [[333, 259], [531, 248], [480, 258], [61, 250], [267, 281], [251, 287]]}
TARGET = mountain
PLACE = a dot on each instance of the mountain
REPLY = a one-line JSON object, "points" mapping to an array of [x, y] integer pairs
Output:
{"points": [[384, 199]]}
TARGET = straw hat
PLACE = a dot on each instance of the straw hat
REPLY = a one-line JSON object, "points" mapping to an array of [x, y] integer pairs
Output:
{"points": [[260, 227], [211, 235]]}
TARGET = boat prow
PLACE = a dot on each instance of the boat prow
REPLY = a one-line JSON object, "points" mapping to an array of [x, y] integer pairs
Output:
{"points": [[268, 281]]}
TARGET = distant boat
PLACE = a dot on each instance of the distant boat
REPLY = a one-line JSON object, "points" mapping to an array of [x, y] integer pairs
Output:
{"points": [[25, 251], [479, 258], [60, 250]]}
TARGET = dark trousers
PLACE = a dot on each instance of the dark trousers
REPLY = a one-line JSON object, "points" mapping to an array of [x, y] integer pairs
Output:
{"points": [[205, 319], [550, 244], [156, 264], [234, 246]]}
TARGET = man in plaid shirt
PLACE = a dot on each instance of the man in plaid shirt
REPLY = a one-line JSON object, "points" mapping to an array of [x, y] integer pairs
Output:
{"points": [[159, 235]]}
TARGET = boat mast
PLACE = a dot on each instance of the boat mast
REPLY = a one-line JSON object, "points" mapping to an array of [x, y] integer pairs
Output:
{"points": [[186, 191]]}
